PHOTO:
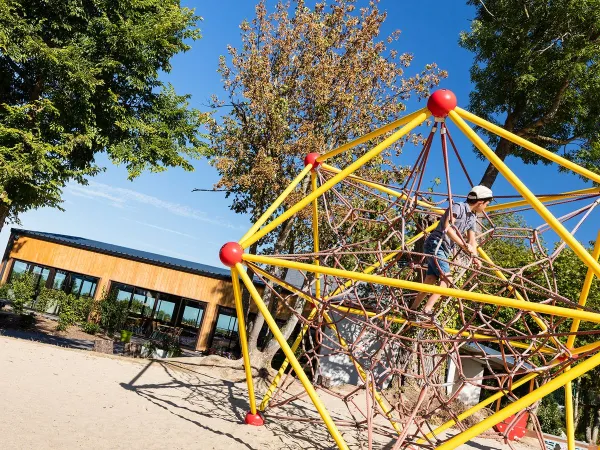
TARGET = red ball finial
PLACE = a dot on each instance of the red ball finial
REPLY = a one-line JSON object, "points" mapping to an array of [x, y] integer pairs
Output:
{"points": [[231, 254], [441, 102], [311, 158]]}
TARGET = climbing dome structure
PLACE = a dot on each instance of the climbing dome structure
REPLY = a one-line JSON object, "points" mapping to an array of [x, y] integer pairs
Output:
{"points": [[502, 331]]}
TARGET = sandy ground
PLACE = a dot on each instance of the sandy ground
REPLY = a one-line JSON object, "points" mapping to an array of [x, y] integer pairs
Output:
{"points": [[58, 398]]}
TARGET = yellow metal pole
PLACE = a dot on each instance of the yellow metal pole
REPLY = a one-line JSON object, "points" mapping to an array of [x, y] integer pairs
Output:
{"points": [[522, 403], [239, 309], [469, 412], [583, 296], [277, 203], [310, 390], [331, 324], [586, 348], [517, 294], [372, 135], [569, 416], [468, 295], [360, 312], [382, 188], [267, 398], [418, 119], [585, 290], [315, 230], [527, 194], [526, 144], [387, 258], [544, 199]]}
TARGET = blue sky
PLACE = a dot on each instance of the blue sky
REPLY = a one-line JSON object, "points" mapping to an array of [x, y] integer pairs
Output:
{"points": [[160, 213]]}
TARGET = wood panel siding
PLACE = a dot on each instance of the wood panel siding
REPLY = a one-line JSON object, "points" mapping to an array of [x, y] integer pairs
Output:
{"points": [[108, 268]]}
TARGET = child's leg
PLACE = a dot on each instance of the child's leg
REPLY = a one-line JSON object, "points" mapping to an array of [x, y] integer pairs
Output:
{"points": [[429, 279], [445, 282]]}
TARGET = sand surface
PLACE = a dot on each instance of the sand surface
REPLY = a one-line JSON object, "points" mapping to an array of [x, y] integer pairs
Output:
{"points": [[58, 398]]}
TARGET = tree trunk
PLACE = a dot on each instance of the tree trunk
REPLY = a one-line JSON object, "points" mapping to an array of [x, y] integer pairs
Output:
{"points": [[4, 210], [267, 296], [503, 149], [491, 173]]}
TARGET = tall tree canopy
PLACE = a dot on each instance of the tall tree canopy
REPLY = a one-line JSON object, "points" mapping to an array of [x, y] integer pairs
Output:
{"points": [[537, 74], [80, 77], [305, 80]]}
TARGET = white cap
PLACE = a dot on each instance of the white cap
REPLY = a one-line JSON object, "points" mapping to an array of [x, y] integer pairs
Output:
{"points": [[480, 193]]}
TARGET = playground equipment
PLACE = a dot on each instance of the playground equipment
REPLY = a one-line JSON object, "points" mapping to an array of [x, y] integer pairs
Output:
{"points": [[352, 289]]}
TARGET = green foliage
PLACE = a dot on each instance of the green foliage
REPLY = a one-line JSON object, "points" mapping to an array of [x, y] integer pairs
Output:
{"points": [[551, 418], [82, 77], [48, 298], [21, 291], [113, 313], [72, 309], [537, 69], [90, 327]]}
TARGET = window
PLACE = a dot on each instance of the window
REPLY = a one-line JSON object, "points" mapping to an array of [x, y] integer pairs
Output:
{"points": [[165, 308], [60, 278], [225, 335], [72, 283], [18, 268]]}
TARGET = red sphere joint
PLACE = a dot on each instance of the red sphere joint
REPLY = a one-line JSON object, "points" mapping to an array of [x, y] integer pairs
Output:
{"points": [[441, 102], [254, 419], [311, 158], [231, 254]]}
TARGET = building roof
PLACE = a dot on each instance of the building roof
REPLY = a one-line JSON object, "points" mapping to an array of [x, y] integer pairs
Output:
{"points": [[129, 253]]}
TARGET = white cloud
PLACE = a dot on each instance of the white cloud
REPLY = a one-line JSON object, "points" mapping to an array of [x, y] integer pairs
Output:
{"points": [[127, 198], [168, 230]]}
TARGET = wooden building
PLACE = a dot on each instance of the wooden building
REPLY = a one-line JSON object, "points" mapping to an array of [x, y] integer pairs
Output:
{"points": [[170, 291]]}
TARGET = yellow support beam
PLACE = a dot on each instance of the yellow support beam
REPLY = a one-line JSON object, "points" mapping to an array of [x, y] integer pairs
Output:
{"points": [[517, 294], [521, 404], [387, 410], [281, 340], [527, 194], [525, 144], [583, 296], [419, 117], [544, 199], [276, 203], [382, 188], [315, 230], [468, 295], [237, 296], [360, 312], [469, 412], [269, 394], [372, 135]]}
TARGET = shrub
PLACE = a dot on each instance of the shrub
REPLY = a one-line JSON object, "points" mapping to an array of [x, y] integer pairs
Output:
{"points": [[72, 309], [48, 298], [90, 327], [550, 416], [21, 291], [113, 313]]}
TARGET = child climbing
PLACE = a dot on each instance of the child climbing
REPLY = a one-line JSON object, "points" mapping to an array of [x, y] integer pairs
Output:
{"points": [[450, 232]]}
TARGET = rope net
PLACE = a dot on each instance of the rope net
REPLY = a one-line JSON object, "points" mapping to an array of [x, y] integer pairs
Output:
{"points": [[391, 372]]}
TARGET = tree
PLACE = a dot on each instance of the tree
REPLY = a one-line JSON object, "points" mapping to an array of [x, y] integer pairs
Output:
{"points": [[304, 80], [537, 74], [81, 77]]}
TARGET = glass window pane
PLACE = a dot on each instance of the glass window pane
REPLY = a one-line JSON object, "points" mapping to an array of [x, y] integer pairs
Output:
{"points": [[75, 284], [192, 316], [87, 288], [137, 303], [164, 310], [225, 337], [59, 280], [19, 268]]}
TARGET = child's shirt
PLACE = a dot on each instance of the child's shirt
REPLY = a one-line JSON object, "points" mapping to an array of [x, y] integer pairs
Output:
{"points": [[464, 220]]}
